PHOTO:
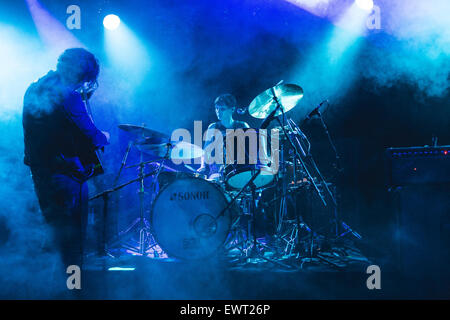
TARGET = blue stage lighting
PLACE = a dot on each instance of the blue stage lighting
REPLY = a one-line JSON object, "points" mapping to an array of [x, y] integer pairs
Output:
{"points": [[111, 22], [365, 4], [121, 269]]}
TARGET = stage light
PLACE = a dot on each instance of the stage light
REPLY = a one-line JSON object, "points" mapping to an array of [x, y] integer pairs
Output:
{"points": [[111, 22], [121, 269], [365, 4]]}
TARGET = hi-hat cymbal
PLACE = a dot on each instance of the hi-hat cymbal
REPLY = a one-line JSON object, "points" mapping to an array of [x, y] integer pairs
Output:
{"points": [[184, 150], [288, 96], [150, 136], [177, 150], [157, 150]]}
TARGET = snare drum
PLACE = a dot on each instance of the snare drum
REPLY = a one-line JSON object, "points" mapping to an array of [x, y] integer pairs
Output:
{"points": [[238, 173], [237, 176]]}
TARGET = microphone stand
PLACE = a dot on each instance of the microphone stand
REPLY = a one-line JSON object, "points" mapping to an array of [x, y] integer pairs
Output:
{"points": [[308, 156], [337, 166]]}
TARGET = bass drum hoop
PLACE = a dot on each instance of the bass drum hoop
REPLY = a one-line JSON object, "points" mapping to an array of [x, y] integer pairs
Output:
{"points": [[189, 176]]}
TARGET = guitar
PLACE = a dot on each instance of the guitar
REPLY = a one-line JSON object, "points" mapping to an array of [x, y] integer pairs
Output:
{"points": [[91, 158]]}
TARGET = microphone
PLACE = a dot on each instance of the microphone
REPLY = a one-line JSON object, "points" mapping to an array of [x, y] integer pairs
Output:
{"points": [[316, 110]]}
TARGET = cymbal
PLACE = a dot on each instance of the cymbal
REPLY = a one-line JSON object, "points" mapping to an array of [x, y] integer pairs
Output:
{"points": [[177, 151], [149, 135], [287, 94], [158, 150], [184, 150]]}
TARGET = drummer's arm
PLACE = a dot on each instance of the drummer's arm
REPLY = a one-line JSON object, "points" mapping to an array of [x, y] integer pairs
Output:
{"points": [[208, 140]]}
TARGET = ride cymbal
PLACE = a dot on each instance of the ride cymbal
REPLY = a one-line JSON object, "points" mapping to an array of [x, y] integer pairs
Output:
{"points": [[288, 96]]}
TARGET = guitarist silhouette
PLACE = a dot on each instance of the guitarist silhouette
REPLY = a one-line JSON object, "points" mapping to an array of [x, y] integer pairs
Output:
{"points": [[60, 143]]}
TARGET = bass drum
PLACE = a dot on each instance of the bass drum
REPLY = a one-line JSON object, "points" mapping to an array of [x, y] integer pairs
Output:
{"points": [[184, 218]]}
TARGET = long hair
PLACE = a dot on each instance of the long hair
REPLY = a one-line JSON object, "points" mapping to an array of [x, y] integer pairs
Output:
{"points": [[78, 65]]}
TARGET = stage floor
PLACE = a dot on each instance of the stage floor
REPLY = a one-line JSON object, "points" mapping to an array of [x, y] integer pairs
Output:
{"points": [[224, 278]]}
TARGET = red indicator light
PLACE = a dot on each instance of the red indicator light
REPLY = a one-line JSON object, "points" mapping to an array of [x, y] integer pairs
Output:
{"points": [[445, 152], [415, 169]]}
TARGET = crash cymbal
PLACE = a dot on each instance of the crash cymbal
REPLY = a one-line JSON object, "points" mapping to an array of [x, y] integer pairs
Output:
{"points": [[150, 136], [287, 94]]}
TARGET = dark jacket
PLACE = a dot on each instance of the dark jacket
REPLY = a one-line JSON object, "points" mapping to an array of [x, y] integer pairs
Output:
{"points": [[58, 131]]}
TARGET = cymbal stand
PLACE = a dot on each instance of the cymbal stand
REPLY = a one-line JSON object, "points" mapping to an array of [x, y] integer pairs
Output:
{"points": [[286, 230], [105, 196], [282, 212], [146, 240], [255, 252], [323, 183], [124, 161], [299, 155]]}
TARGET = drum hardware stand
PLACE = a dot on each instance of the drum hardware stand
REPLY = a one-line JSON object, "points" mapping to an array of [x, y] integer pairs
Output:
{"points": [[236, 237], [323, 183], [145, 236], [308, 156], [124, 161], [268, 104], [290, 235], [300, 158], [254, 253], [264, 125], [312, 233], [146, 240], [125, 157], [105, 196], [282, 210]]}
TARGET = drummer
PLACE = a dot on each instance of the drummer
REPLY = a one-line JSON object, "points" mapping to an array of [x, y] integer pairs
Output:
{"points": [[225, 106]]}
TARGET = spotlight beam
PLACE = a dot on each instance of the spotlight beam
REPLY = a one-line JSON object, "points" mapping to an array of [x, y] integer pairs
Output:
{"points": [[53, 33]]}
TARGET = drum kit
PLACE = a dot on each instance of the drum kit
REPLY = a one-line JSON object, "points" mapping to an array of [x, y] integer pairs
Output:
{"points": [[193, 218]]}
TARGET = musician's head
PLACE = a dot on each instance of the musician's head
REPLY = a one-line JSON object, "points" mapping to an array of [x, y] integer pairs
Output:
{"points": [[225, 105], [77, 66]]}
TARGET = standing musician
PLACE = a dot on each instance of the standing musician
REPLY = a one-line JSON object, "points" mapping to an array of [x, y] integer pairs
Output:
{"points": [[60, 144], [225, 106]]}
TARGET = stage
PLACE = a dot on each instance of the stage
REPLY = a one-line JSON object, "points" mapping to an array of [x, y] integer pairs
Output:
{"points": [[225, 150]]}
